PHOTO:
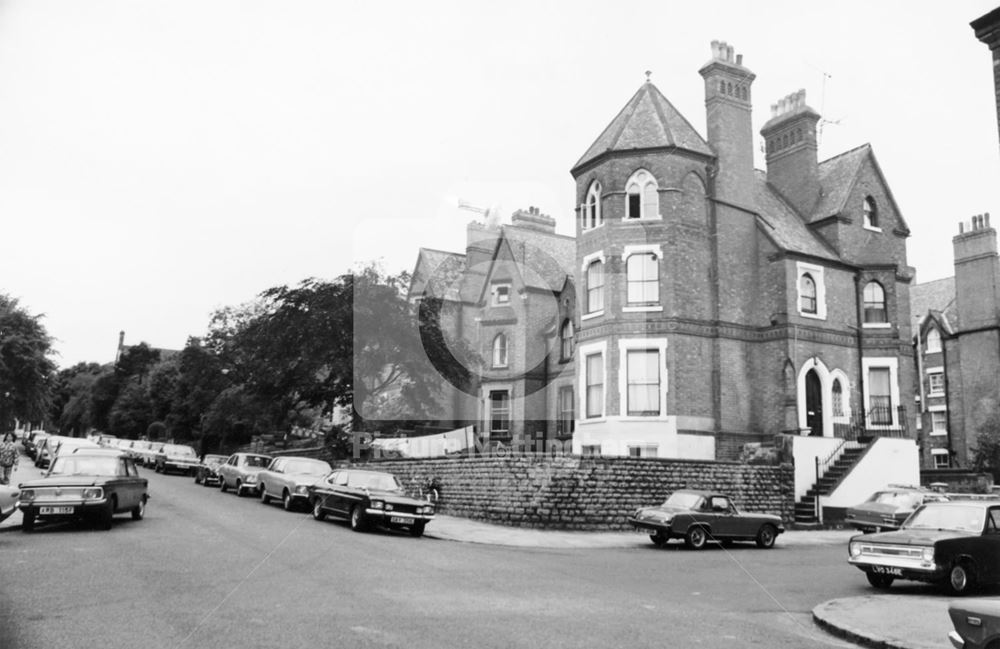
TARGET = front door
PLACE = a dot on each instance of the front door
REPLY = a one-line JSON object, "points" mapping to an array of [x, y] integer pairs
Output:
{"points": [[814, 404]]}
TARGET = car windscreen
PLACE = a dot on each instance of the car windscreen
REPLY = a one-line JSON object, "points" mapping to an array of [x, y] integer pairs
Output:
{"points": [[183, 451], [257, 460], [899, 499], [79, 465], [947, 517], [683, 499], [215, 459], [308, 467], [376, 481]]}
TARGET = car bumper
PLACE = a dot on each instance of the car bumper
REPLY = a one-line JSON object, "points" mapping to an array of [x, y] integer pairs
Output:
{"points": [[900, 567], [956, 640], [650, 526], [64, 509], [396, 519], [178, 466]]}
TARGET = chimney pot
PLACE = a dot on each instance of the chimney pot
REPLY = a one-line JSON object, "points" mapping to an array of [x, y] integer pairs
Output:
{"points": [[739, 59]]}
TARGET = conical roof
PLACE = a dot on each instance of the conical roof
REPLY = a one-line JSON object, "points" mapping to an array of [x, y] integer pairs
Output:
{"points": [[648, 121]]}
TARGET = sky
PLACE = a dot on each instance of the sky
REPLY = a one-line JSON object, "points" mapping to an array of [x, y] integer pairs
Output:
{"points": [[161, 159]]}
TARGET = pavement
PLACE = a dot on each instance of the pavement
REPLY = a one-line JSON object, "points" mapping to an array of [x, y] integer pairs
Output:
{"points": [[905, 621]]}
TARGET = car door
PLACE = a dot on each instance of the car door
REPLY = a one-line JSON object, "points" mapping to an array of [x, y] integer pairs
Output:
{"points": [[275, 479], [725, 523], [991, 541], [324, 489]]}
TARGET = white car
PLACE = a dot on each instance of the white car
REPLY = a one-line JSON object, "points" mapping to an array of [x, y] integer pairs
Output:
{"points": [[289, 479], [8, 500]]}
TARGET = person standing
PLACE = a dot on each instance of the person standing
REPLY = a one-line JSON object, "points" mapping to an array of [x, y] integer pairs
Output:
{"points": [[8, 457]]}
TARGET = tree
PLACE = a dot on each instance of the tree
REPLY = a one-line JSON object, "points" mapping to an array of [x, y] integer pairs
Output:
{"points": [[26, 371], [986, 452], [131, 413], [70, 409]]}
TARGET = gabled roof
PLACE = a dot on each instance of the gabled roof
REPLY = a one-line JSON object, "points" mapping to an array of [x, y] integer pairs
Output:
{"points": [[783, 225], [544, 260], [648, 121], [837, 176], [437, 273], [936, 298]]}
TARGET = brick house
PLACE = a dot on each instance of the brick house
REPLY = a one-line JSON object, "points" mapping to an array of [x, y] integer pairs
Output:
{"points": [[702, 303]]}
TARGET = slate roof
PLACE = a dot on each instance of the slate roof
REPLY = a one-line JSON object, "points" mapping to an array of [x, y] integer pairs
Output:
{"points": [[783, 224], [438, 273], [647, 121], [551, 256], [935, 297], [836, 177]]}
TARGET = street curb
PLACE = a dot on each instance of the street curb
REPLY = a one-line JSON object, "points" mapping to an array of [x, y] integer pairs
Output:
{"points": [[821, 616]]}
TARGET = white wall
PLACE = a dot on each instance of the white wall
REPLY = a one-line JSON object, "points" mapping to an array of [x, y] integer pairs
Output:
{"points": [[888, 461], [695, 447], [616, 434], [805, 450]]}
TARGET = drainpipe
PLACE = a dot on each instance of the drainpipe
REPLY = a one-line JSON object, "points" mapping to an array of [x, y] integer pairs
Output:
{"points": [[861, 354], [711, 170], [947, 402], [923, 397]]}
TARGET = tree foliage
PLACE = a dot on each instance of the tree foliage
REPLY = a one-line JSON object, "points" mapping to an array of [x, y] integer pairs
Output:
{"points": [[986, 452], [26, 369]]}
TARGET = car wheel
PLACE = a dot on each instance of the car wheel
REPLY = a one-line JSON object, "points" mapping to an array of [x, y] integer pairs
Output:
{"points": [[658, 539], [696, 538], [882, 582], [239, 489], [197, 479], [357, 519], [417, 529], [222, 485], [27, 521], [108, 514], [264, 498], [139, 510], [961, 579], [286, 501], [766, 536], [158, 468], [318, 512]]}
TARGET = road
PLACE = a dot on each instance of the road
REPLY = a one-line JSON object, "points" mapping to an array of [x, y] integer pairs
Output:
{"points": [[206, 569]]}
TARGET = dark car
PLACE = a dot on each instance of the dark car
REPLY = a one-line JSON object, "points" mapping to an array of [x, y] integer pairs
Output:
{"points": [[207, 472], [81, 485], [977, 624], [702, 516], [953, 544], [886, 509], [367, 498]]}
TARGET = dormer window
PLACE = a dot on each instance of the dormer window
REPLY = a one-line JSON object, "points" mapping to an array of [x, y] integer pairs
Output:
{"points": [[870, 210], [501, 294], [592, 216], [642, 196]]}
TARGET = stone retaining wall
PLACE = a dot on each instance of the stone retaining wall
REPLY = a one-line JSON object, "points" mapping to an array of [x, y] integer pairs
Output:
{"points": [[584, 493]]}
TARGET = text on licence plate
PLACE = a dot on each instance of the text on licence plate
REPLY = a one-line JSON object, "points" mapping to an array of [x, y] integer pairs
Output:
{"points": [[55, 510], [399, 520], [883, 570]]}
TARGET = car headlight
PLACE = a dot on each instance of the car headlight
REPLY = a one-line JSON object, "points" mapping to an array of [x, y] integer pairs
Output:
{"points": [[928, 554], [667, 518], [93, 493], [301, 489], [428, 509], [252, 479], [377, 504], [855, 549], [27, 495]]}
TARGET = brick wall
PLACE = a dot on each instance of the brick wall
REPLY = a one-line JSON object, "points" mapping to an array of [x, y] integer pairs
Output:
{"points": [[570, 492]]}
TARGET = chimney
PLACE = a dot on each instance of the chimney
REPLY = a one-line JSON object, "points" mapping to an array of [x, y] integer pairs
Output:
{"points": [[121, 346], [533, 219], [977, 273], [792, 161], [481, 240], [730, 133]]}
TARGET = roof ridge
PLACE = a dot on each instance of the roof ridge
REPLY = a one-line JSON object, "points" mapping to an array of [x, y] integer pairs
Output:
{"points": [[844, 153], [446, 252]]}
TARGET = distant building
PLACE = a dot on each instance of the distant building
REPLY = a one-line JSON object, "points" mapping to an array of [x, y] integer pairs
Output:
{"points": [[702, 304], [164, 353]]}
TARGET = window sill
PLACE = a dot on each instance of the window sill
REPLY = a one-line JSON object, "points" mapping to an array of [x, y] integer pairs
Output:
{"points": [[813, 316], [595, 420], [933, 351], [642, 309], [876, 325], [938, 433], [596, 227], [652, 219], [589, 316], [872, 228], [935, 394]]}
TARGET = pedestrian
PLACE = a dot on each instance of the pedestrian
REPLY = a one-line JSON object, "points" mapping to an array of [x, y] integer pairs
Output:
{"points": [[8, 457]]}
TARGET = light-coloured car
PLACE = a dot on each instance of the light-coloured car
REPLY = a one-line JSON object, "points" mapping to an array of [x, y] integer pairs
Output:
{"points": [[289, 479], [176, 457], [240, 472], [8, 500], [53, 445], [147, 456], [977, 624]]}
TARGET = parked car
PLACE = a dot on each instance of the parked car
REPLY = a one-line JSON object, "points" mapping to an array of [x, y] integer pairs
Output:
{"points": [[34, 440], [81, 485], [977, 624], [953, 544], [135, 448], [240, 472], [8, 501], [702, 516], [147, 456], [207, 471], [55, 444], [367, 498], [886, 509], [176, 457], [288, 478]]}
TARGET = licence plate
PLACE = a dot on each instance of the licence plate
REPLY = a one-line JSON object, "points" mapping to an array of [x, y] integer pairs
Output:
{"points": [[399, 520], [55, 510], [883, 570]]}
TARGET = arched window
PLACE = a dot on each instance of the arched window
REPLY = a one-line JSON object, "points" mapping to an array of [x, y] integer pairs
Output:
{"points": [[722, 87], [595, 287], [643, 196], [500, 351], [743, 93], [874, 297], [592, 216], [566, 340], [643, 278], [933, 341], [807, 293], [838, 398], [870, 210]]}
